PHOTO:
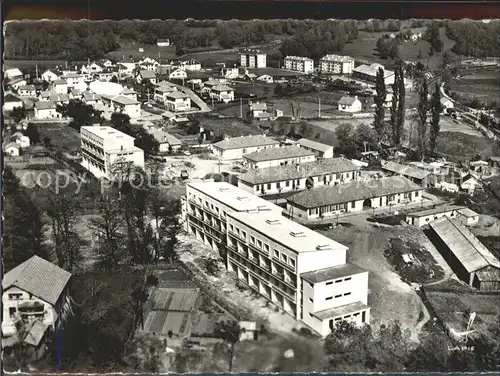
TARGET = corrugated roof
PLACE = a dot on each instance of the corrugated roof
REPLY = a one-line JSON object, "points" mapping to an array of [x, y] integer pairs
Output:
{"points": [[353, 191], [303, 170], [471, 253], [271, 154], [327, 274], [246, 142], [488, 274], [38, 277], [340, 311], [406, 170], [314, 145]]}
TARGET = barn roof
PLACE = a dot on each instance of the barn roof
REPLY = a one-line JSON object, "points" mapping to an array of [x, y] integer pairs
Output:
{"points": [[471, 253]]}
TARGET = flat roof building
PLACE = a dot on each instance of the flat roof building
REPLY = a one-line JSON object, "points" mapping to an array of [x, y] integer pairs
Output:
{"points": [[252, 58], [106, 148], [299, 64], [471, 261], [281, 156], [293, 178], [235, 147], [369, 73], [336, 64], [354, 196]]}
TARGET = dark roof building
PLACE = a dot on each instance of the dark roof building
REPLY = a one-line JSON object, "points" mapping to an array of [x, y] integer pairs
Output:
{"points": [[415, 174]]}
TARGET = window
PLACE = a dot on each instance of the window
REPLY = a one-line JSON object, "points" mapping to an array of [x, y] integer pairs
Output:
{"points": [[363, 316], [237, 230], [266, 247], [338, 296], [231, 228], [243, 234], [346, 317], [284, 258], [244, 151], [347, 294], [292, 262], [268, 185], [252, 239], [287, 183], [416, 195], [310, 284], [310, 299], [356, 314], [278, 185], [12, 311], [276, 253], [338, 281], [15, 296], [348, 279], [353, 204], [338, 319], [329, 298], [259, 244], [329, 283]]}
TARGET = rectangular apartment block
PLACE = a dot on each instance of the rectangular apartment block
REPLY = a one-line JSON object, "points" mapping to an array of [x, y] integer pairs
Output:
{"points": [[336, 64], [299, 64], [102, 147], [250, 58]]}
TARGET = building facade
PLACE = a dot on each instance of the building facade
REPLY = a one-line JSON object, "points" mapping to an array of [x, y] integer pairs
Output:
{"points": [[234, 148], [177, 101], [278, 157], [336, 64], [424, 217], [104, 147], [250, 58], [122, 104], [321, 150], [299, 64]]}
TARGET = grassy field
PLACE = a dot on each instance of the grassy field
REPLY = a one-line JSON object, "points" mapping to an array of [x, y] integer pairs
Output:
{"points": [[153, 51], [42, 64], [484, 85], [458, 146]]}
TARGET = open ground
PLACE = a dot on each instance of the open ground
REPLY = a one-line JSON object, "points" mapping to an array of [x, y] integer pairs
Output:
{"points": [[484, 85]]}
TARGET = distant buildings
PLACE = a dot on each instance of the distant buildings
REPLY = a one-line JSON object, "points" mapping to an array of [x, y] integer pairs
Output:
{"points": [[178, 74], [336, 64], [350, 104], [369, 73], [265, 78], [222, 93], [415, 174], [10, 101], [163, 42], [321, 150], [49, 76], [234, 148], [12, 74], [190, 65], [251, 58], [60, 86], [36, 294], [299, 64], [281, 156], [102, 147], [12, 149], [471, 261], [354, 196], [27, 91], [259, 111], [146, 76], [177, 101], [20, 139]]}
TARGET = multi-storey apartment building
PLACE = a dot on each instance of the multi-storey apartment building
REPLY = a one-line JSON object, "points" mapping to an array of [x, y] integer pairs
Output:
{"points": [[299, 270], [336, 64], [207, 205], [299, 64], [102, 147], [251, 58]]}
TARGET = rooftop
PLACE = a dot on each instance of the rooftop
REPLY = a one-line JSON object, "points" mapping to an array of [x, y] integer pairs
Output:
{"points": [[298, 58], [287, 232], [353, 191], [147, 74], [251, 51], [222, 88], [340, 311], [35, 333], [259, 106], [165, 88], [471, 253], [338, 58], [406, 170], [11, 98], [71, 75], [245, 142], [163, 137], [120, 99], [177, 95], [38, 277], [371, 70], [27, 87], [45, 105], [234, 197], [59, 82], [466, 212], [348, 101], [90, 96], [440, 209], [271, 154], [328, 274], [105, 132], [314, 145], [303, 170]]}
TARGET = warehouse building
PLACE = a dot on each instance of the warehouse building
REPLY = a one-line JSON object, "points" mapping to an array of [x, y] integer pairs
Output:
{"points": [[293, 178], [471, 261], [282, 156], [424, 217], [354, 196]]}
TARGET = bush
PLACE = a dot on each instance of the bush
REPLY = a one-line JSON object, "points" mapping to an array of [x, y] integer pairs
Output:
{"points": [[152, 280]]}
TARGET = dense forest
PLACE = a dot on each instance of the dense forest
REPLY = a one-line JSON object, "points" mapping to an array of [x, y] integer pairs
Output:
{"points": [[474, 38]]}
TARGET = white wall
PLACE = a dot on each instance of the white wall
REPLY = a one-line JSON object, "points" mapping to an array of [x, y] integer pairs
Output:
{"points": [[231, 154], [279, 162], [9, 106], [50, 113]]}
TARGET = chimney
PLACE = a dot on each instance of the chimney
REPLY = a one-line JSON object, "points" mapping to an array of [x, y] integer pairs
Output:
{"points": [[355, 97]]}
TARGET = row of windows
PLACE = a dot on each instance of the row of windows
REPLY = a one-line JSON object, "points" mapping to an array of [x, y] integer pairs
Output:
{"points": [[280, 256], [338, 296], [338, 281]]}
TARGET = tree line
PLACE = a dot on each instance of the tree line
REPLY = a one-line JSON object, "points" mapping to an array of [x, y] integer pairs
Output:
{"points": [[476, 39]]}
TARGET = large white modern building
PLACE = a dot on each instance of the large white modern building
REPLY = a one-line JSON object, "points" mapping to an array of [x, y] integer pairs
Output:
{"points": [[336, 64], [302, 272], [103, 147], [299, 64], [250, 58]]}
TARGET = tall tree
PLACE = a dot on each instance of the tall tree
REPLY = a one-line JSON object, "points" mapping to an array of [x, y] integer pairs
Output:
{"points": [[379, 99], [422, 115], [435, 117], [401, 104], [394, 107], [230, 332]]}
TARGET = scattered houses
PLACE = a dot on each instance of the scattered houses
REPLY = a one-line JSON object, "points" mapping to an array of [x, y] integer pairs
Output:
{"points": [[355, 196], [252, 58], [178, 74], [281, 156], [293, 178], [321, 150], [336, 64], [471, 261], [299, 64], [234, 148], [10, 101], [415, 174], [350, 104], [163, 42]]}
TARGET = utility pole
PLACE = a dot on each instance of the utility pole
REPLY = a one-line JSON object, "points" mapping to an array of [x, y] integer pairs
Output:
{"points": [[212, 102], [241, 108], [319, 107]]}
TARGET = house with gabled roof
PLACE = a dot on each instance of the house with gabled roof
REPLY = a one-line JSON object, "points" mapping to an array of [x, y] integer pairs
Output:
{"points": [[321, 150], [145, 76], [35, 290], [350, 104], [234, 148], [10, 101], [415, 174]]}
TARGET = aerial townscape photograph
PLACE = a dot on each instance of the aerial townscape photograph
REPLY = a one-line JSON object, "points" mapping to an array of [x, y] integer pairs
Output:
{"points": [[251, 196]]}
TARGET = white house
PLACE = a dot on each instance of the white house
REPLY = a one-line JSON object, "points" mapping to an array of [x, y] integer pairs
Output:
{"points": [[129, 93], [16, 83], [46, 110], [234, 148], [73, 79], [166, 140], [258, 110], [222, 93], [49, 76], [421, 218], [10, 101], [191, 65], [471, 183], [177, 101], [230, 73], [13, 73], [149, 64], [126, 67], [91, 98], [91, 68], [12, 149], [369, 73], [266, 78], [146, 75], [160, 93], [178, 74], [20, 139], [446, 103], [163, 42], [122, 104], [103, 147], [60, 86], [35, 290], [350, 104]]}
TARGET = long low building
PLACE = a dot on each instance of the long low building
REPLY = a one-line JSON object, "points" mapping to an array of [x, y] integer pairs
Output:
{"points": [[415, 174], [281, 156], [235, 147], [321, 150], [424, 217], [300, 271], [354, 196], [294, 178], [471, 261]]}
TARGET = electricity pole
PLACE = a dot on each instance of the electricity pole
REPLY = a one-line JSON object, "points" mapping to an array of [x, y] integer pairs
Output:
{"points": [[319, 107], [241, 108]]}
